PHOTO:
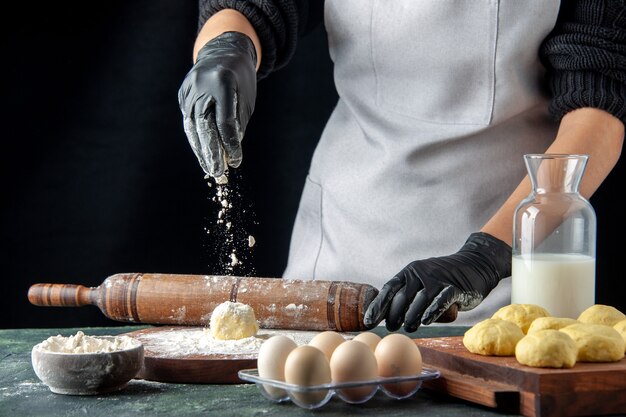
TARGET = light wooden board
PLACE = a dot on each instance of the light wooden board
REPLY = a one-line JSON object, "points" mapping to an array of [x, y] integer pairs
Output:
{"points": [[166, 365]]}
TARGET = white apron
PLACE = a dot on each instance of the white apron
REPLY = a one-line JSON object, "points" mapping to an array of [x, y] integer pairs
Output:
{"points": [[438, 101]]}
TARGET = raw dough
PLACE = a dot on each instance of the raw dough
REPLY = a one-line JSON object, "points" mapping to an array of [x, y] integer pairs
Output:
{"points": [[230, 321], [493, 337], [555, 323], [547, 348], [596, 342], [521, 314], [620, 326], [601, 314]]}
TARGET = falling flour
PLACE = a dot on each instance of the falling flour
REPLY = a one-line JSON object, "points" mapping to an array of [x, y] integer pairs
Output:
{"points": [[222, 179], [228, 232]]}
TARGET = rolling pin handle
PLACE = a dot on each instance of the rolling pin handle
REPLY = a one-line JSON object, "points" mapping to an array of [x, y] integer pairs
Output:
{"points": [[59, 295]]}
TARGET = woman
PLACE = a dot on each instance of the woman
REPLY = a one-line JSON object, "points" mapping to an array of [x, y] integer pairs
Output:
{"points": [[438, 102]]}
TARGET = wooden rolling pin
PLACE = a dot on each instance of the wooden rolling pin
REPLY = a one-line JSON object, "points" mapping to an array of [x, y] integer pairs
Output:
{"points": [[190, 300]]}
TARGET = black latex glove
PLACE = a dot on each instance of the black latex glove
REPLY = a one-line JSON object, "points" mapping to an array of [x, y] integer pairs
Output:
{"points": [[217, 99], [425, 289]]}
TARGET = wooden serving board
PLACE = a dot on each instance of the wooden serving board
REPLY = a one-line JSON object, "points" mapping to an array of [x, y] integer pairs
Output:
{"points": [[587, 389], [172, 354]]}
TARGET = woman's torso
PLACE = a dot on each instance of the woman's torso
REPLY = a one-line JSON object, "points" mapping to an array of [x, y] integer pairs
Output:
{"points": [[439, 100]]}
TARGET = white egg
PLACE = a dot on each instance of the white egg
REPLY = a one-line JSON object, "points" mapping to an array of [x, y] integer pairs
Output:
{"points": [[398, 355], [369, 338], [354, 361], [307, 366], [327, 342], [271, 362]]}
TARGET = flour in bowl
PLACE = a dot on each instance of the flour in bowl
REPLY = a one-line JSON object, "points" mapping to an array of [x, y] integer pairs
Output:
{"points": [[81, 343]]}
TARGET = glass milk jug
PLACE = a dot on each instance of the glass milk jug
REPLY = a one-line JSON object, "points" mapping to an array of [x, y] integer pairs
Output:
{"points": [[554, 238]]}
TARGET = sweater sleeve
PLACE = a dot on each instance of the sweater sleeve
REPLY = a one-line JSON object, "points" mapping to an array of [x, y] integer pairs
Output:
{"points": [[586, 57], [278, 23]]}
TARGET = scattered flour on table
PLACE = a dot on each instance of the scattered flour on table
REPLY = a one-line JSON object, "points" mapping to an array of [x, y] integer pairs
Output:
{"points": [[199, 341], [23, 389], [81, 343]]}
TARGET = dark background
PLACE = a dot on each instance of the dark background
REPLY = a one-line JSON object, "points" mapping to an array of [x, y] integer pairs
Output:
{"points": [[97, 174]]}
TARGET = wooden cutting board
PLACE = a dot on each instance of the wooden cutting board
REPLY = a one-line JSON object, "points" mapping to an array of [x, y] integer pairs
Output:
{"points": [[177, 354], [587, 389]]}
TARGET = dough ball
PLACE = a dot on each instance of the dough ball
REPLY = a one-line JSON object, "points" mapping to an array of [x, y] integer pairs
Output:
{"points": [[521, 314], [601, 314], [493, 337], [555, 323], [231, 321], [596, 342], [620, 326], [547, 348]]}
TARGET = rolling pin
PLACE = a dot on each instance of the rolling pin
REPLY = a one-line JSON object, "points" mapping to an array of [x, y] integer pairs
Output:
{"points": [[190, 299]]}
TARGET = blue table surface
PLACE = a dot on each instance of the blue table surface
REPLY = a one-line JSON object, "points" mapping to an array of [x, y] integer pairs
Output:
{"points": [[23, 394]]}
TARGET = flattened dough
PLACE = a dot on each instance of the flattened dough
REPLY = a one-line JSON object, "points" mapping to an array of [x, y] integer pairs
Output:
{"points": [[596, 342], [547, 348], [493, 337], [601, 314], [555, 323], [521, 314]]}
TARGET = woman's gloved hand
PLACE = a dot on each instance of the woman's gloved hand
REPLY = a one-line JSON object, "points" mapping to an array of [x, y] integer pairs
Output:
{"points": [[425, 289], [217, 99]]}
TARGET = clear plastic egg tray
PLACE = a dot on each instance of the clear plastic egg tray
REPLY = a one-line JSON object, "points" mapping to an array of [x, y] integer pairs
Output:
{"points": [[357, 392]]}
